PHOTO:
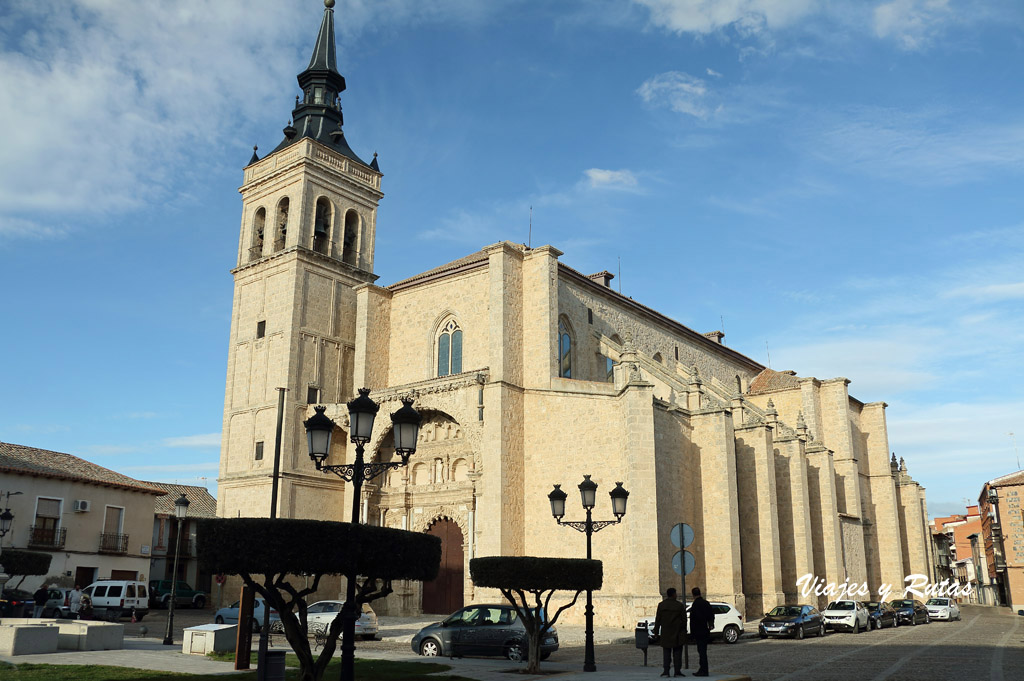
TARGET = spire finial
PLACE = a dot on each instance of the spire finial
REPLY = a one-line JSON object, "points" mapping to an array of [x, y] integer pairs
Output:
{"points": [[329, 4]]}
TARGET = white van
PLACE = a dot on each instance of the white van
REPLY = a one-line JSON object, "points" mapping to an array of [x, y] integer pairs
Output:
{"points": [[113, 599]]}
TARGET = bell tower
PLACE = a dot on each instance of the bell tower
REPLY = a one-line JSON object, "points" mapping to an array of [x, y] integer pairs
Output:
{"points": [[309, 216]]}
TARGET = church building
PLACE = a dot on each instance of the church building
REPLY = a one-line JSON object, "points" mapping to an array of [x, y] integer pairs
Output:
{"points": [[529, 373]]}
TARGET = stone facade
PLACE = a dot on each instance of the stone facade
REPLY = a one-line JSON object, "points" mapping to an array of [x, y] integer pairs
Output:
{"points": [[779, 475]]}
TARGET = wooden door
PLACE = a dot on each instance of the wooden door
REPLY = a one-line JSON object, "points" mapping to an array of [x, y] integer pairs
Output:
{"points": [[444, 594]]}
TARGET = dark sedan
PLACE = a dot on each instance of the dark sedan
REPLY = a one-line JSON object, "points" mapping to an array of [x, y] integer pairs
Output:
{"points": [[910, 611], [481, 630], [792, 621], [880, 615], [16, 603]]}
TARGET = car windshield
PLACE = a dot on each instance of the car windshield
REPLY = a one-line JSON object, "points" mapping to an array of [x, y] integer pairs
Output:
{"points": [[903, 604], [872, 605], [785, 611], [840, 605], [937, 601]]}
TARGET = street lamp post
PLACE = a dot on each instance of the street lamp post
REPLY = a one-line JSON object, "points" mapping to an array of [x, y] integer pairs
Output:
{"points": [[362, 411], [180, 510], [588, 492], [6, 518]]}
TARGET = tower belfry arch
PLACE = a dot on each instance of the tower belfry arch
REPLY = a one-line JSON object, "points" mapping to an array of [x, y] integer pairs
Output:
{"points": [[309, 216]]}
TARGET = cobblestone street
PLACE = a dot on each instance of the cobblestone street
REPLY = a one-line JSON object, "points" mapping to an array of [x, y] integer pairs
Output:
{"points": [[987, 644]]}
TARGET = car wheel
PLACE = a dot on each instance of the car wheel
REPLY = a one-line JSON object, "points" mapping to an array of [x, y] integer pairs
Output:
{"points": [[856, 626], [199, 602], [731, 634], [913, 621], [762, 634], [515, 652], [821, 630], [800, 633], [218, 620], [927, 619], [545, 656], [429, 648], [368, 637]]}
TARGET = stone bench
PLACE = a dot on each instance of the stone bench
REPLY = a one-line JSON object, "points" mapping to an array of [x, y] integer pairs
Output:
{"points": [[27, 639], [76, 634]]}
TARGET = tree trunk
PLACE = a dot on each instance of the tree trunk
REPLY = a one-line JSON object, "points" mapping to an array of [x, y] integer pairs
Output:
{"points": [[533, 666]]}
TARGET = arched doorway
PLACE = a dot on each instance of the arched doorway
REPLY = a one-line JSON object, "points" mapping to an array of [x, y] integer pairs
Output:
{"points": [[444, 594]]}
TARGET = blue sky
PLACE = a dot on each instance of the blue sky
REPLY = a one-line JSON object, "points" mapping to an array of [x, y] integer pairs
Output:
{"points": [[837, 184]]}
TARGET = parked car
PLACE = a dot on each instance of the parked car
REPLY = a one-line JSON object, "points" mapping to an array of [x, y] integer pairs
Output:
{"points": [[320, 615], [880, 615], [910, 611], [116, 598], [728, 622], [229, 615], [792, 621], [16, 603], [58, 604], [943, 609], [846, 616], [184, 594], [481, 630]]}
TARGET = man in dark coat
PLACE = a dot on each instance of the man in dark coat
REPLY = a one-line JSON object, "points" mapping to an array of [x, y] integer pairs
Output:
{"points": [[670, 625], [702, 621]]}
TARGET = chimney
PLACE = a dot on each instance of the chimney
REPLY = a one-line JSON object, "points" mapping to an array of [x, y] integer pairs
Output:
{"points": [[716, 336], [604, 278]]}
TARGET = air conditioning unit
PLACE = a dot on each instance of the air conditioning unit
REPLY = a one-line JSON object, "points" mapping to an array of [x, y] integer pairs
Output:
{"points": [[81, 505]]}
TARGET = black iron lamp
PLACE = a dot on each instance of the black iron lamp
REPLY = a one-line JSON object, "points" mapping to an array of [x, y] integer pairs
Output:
{"points": [[362, 411], [319, 428], [406, 427], [180, 511], [588, 494], [588, 491], [557, 498], [6, 518]]}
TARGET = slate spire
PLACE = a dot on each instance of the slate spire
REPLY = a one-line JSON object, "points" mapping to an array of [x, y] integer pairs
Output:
{"points": [[317, 112]]}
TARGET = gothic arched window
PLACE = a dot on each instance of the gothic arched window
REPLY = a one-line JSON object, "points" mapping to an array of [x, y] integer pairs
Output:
{"points": [[348, 246], [564, 349], [449, 349], [259, 224], [281, 224], [322, 226]]}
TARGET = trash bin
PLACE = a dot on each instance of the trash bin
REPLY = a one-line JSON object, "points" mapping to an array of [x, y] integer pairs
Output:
{"points": [[643, 640], [275, 665]]}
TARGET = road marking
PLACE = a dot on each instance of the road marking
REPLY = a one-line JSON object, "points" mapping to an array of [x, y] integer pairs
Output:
{"points": [[997, 655], [907, 658], [854, 651]]}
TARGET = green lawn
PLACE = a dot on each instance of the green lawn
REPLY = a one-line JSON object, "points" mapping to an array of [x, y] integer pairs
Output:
{"points": [[366, 670]]}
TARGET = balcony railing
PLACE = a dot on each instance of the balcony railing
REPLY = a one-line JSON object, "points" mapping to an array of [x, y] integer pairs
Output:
{"points": [[113, 543], [47, 538]]}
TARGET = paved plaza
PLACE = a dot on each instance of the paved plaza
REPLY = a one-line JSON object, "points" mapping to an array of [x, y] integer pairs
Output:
{"points": [[987, 644]]}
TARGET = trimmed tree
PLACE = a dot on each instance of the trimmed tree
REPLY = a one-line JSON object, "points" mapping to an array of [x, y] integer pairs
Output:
{"points": [[528, 583], [264, 552], [18, 563]]}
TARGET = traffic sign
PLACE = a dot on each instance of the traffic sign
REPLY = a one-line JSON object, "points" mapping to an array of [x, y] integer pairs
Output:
{"points": [[682, 535], [683, 559]]}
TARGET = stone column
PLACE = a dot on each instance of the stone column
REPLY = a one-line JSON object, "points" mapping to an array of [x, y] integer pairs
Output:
{"points": [[759, 524], [715, 446], [373, 333], [540, 316], [795, 542], [828, 551], [883, 539]]}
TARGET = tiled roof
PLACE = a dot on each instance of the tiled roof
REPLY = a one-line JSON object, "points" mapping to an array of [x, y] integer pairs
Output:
{"points": [[769, 381], [47, 464], [1008, 479], [467, 262], [201, 504]]}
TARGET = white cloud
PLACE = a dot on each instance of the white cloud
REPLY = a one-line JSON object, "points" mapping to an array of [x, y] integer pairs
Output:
{"points": [[679, 91], [919, 147], [611, 179], [745, 16], [991, 292], [913, 24], [194, 441], [712, 72]]}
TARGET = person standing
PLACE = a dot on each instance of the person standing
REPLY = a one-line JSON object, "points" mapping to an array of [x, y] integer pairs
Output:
{"points": [[40, 597], [75, 601], [702, 621], [670, 626]]}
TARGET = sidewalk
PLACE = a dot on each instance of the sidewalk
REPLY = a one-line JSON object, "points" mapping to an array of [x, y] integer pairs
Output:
{"points": [[150, 653]]}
